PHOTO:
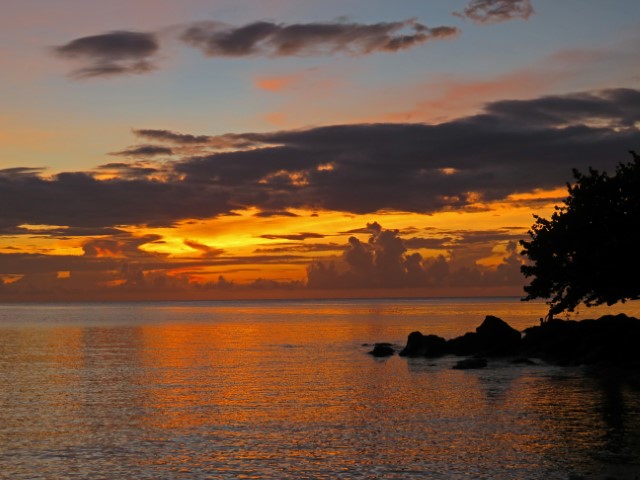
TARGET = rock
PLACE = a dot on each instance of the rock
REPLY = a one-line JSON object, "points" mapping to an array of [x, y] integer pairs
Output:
{"points": [[467, 344], [382, 350], [497, 337], [419, 345], [471, 363], [610, 341]]}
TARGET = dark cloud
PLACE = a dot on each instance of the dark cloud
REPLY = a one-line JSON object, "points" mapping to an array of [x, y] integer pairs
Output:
{"points": [[130, 171], [467, 237], [144, 151], [383, 262], [206, 250], [112, 53], [361, 168], [80, 200], [17, 172], [60, 232], [495, 11], [267, 38], [126, 52], [172, 137], [295, 236], [275, 213], [615, 108], [422, 168], [370, 228], [225, 141], [302, 248], [119, 246]]}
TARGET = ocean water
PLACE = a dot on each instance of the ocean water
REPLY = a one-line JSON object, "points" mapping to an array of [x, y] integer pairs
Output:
{"points": [[285, 389]]}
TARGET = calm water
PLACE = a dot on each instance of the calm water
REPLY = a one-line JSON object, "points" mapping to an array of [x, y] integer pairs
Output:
{"points": [[286, 390]]}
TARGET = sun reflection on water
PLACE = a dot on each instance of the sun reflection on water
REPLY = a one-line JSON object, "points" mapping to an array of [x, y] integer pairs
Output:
{"points": [[289, 392]]}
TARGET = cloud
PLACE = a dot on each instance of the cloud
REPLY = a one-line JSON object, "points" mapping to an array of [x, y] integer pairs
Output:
{"points": [[113, 53], [119, 246], [78, 199], [295, 236], [171, 137], [511, 147], [206, 250], [144, 151], [364, 168], [495, 11], [129, 171], [370, 228], [302, 247], [128, 52], [615, 108], [309, 39], [60, 232], [383, 262], [17, 172], [214, 141], [275, 213]]}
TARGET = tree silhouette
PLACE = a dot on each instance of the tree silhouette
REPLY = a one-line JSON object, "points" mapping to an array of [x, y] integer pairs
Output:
{"points": [[589, 251]]}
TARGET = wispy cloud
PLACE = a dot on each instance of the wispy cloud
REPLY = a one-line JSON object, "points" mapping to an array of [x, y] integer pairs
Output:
{"points": [[113, 53], [213, 141], [144, 151], [294, 236], [310, 39], [127, 52], [206, 251], [495, 11]]}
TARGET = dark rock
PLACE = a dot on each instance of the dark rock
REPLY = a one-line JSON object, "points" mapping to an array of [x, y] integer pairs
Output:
{"points": [[382, 350], [471, 363], [467, 344], [419, 345], [608, 341], [497, 337]]}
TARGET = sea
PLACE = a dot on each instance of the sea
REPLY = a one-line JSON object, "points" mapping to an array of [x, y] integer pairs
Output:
{"points": [[287, 390]]}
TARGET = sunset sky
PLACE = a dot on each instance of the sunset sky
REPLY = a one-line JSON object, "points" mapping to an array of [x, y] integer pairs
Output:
{"points": [[155, 149]]}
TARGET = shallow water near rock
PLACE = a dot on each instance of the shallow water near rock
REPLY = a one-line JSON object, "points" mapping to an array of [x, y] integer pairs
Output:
{"points": [[286, 390]]}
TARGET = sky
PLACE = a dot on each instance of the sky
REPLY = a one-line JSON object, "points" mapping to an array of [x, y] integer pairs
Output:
{"points": [[212, 149]]}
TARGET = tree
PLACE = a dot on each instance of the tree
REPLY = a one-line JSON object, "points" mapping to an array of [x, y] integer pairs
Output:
{"points": [[589, 251]]}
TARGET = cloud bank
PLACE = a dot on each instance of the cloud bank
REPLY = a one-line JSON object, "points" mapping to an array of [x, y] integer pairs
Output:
{"points": [[118, 264], [383, 262], [512, 147]]}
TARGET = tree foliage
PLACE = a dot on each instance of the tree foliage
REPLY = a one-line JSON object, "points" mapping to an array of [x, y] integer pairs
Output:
{"points": [[589, 251]]}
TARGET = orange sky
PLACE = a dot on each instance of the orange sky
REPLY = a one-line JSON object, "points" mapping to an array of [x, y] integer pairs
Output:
{"points": [[239, 149]]}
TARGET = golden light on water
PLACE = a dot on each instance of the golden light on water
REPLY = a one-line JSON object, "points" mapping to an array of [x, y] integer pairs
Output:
{"points": [[244, 388]]}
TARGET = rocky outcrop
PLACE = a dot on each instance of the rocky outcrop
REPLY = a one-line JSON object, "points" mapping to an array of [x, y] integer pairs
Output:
{"points": [[611, 340], [382, 350], [608, 341], [419, 345], [494, 337]]}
